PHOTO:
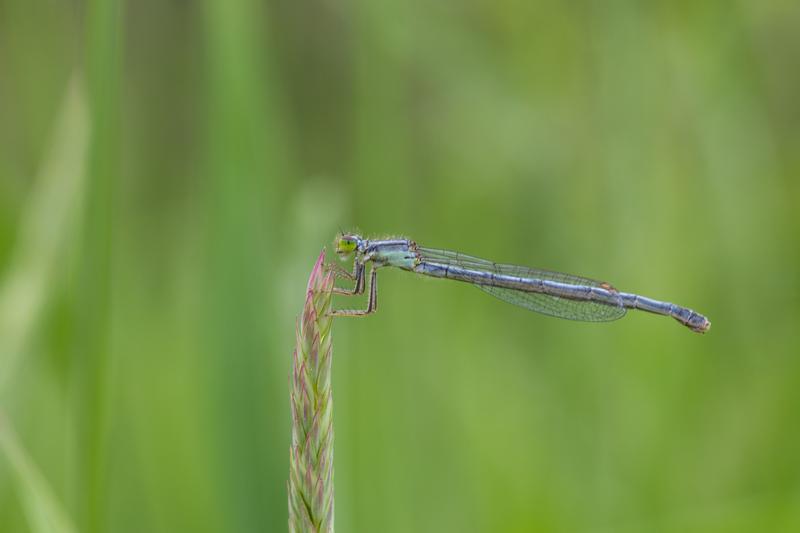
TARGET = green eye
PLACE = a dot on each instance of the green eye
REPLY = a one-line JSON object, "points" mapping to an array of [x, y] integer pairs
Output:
{"points": [[346, 246]]}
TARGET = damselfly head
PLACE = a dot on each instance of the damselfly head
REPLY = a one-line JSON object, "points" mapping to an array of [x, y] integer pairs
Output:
{"points": [[346, 244]]}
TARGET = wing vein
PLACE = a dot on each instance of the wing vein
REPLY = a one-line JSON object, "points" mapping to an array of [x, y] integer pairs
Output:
{"points": [[548, 304]]}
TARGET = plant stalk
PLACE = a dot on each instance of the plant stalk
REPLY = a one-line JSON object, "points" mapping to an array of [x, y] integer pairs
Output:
{"points": [[310, 482]]}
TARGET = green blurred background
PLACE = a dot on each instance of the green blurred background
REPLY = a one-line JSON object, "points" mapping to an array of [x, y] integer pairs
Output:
{"points": [[169, 171]]}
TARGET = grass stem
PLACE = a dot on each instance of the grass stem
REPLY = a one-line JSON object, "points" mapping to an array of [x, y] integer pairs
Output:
{"points": [[311, 454]]}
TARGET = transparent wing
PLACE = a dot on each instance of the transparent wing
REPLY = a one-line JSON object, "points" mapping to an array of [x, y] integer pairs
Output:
{"points": [[548, 304], [585, 310]]}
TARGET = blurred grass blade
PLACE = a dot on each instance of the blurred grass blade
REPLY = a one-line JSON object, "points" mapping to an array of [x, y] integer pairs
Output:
{"points": [[92, 354], [311, 454], [46, 223], [244, 158], [43, 510]]}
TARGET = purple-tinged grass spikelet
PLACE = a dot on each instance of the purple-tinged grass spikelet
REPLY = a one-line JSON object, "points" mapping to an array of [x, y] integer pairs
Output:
{"points": [[311, 455]]}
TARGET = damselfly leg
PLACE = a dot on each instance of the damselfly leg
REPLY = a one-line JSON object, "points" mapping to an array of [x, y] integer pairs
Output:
{"points": [[372, 303], [357, 276]]}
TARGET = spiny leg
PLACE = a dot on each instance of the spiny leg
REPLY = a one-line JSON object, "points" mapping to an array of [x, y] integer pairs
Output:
{"points": [[372, 305], [340, 272], [357, 275]]}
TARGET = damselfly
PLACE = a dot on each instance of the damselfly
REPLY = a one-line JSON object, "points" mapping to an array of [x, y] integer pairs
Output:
{"points": [[550, 293]]}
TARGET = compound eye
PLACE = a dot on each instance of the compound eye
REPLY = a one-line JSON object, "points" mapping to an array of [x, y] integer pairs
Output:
{"points": [[346, 246]]}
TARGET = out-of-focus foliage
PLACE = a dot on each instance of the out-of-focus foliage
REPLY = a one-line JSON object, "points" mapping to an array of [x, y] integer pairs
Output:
{"points": [[655, 145]]}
